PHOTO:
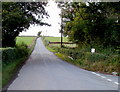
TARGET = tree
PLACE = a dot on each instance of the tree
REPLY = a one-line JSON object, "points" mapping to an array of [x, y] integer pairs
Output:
{"points": [[39, 33], [17, 17], [93, 23]]}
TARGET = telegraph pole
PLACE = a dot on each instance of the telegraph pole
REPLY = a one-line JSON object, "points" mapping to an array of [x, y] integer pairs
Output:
{"points": [[61, 39], [61, 29]]}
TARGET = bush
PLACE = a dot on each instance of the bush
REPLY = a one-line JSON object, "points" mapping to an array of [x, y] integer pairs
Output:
{"points": [[22, 50]]}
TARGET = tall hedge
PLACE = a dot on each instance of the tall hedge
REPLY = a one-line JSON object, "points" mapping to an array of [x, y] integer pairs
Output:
{"points": [[12, 54]]}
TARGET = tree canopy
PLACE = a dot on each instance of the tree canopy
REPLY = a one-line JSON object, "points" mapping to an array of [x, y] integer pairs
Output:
{"points": [[92, 23], [39, 33], [17, 17]]}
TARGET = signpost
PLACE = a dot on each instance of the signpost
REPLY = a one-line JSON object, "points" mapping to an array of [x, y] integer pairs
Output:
{"points": [[92, 50]]}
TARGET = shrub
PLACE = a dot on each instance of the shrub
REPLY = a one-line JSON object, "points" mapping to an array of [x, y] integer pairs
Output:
{"points": [[22, 50]]}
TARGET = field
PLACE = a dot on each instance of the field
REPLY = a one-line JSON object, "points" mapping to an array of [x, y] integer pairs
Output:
{"points": [[58, 39], [26, 40]]}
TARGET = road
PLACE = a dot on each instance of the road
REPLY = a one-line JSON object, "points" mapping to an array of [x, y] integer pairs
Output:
{"points": [[44, 71]]}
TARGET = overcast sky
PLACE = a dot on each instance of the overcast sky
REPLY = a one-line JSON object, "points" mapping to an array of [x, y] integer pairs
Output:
{"points": [[54, 20]]}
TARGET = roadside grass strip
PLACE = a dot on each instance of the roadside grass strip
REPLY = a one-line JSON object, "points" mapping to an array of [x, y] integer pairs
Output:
{"points": [[105, 78]]}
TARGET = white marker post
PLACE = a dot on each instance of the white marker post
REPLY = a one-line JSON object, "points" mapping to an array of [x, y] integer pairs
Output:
{"points": [[92, 50]]}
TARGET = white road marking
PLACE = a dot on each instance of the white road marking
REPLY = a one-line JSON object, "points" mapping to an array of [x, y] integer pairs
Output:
{"points": [[109, 79], [103, 77], [93, 72], [98, 74], [116, 83]]}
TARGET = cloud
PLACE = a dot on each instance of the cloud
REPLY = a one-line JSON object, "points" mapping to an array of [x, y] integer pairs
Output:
{"points": [[54, 20]]}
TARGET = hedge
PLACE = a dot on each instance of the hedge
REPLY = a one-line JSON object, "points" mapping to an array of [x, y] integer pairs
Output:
{"points": [[11, 54]]}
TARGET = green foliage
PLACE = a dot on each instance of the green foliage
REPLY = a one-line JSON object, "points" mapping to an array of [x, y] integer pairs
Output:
{"points": [[9, 70], [12, 58], [39, 33], [92, 23], [22, 50], [9, 55], [17, 17]]}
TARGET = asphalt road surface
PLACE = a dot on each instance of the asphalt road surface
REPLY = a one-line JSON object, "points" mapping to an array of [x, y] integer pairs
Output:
{"points": [[44, 71]]}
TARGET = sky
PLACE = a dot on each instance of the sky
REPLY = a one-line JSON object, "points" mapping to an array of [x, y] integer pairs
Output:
{"points": [[54, 20]]}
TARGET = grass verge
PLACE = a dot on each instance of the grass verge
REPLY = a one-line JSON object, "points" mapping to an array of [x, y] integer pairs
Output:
{"points": [[100, 62], [10, 70]]}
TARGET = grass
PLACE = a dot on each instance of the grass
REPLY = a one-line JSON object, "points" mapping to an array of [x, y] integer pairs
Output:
{"points": [[26, 40], [50, 49], [9, 70], [64, 57], [65, 45], [56, 39]]}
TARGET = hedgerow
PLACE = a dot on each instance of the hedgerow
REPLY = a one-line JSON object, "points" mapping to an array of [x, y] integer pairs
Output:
{"points": [[9, 55]]}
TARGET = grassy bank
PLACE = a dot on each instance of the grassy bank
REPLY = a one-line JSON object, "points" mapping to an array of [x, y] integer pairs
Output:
{"points": [[13, 58], [103, 60]]}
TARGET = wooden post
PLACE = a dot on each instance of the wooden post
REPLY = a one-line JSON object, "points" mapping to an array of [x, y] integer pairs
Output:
{"points": [[61, 40], [61, 29]]}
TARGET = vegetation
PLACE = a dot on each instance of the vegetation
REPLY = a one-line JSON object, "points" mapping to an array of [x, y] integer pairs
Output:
{"points": [[17, 17], [89, 25], [92, 23], [13, 58], [103, 60], [56, 39], [39, 34]]}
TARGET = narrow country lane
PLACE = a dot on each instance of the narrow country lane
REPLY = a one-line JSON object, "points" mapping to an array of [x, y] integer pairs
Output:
{"points": [[44, 71]]}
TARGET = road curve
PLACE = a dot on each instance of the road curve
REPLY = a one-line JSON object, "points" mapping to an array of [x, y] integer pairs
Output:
{"points": [[44, 71]]}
